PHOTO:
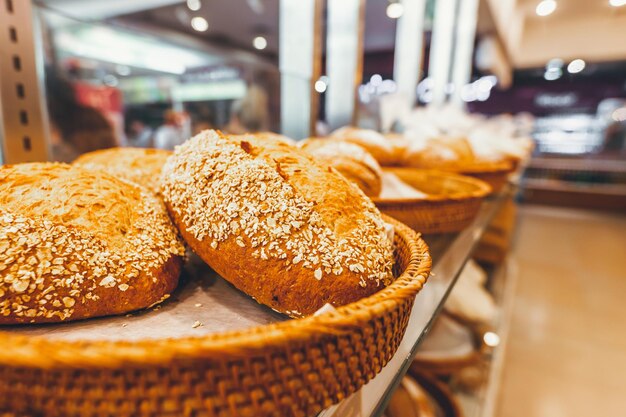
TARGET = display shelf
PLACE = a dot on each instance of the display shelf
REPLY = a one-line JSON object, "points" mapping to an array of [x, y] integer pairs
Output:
{"points": [[579, 164], [450, 253], [481, 399]]}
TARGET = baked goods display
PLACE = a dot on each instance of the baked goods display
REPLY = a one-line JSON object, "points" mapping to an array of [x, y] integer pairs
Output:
{"points": [[448, 139], [421, 394], [140, 165], [280, 226], [469, 300], [77, 243], [352, 161], [450, 346], [431, 201], [394, 188], [386, 152]]}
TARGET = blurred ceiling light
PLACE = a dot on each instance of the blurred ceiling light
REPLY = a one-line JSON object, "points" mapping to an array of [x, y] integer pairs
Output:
{"points": [[320, 86], [200, 24], [395, 10], [194, 5], [259, 42], [576, 66], [491, 339], [617, 3], [545, 8], [124, 48], [552, 74]]}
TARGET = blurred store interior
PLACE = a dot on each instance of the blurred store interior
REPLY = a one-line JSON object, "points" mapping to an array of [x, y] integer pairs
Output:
{"points": [[153, 73]]}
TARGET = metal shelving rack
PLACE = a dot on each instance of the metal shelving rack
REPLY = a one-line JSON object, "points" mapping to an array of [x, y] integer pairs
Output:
{"points": [[23, 119]]}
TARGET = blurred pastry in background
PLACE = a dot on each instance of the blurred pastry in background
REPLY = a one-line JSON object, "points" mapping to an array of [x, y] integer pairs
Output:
{"points": [[352, 161], [469, 300], [374, 142], [394, 189], [435, 153]]}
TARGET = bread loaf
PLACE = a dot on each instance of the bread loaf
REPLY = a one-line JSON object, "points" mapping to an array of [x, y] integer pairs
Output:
{"points": [[140, 165], [76, 243], [352, 161], [383, 150], [283, 228], [439, 153]]}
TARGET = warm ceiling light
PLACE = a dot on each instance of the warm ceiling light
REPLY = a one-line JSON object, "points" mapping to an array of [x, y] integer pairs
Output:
{"points": [[617, 3], [200, 24], [259, 42], [576, 66], [320, 86], [395, 10], [491, 339], [194, 5], [546, 7]]}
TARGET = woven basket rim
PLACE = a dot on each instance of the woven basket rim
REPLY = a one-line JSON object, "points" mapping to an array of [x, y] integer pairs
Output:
{"points": [[485, 167], [480, 189], [42, 352]]}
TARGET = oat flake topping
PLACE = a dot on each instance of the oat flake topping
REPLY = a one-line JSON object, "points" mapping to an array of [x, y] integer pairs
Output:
{"points": [[220, 191], [47, 266]]}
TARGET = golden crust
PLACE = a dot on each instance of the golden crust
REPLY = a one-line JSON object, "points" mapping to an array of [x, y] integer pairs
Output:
{"points": [[351, 160], [440, 153], [290, 232], [375, 143], [76, 243], [140, 165]]}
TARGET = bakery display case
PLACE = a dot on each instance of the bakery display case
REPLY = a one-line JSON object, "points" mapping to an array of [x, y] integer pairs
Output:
{"points": [[258, 132]]}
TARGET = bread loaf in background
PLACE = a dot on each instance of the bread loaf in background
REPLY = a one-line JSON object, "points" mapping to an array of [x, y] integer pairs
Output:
{"points": [[351, 160], [140, 165], [77, 243], [280, 226], [386, 152]]}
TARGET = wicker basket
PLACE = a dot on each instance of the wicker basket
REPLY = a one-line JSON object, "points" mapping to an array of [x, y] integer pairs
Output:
{"points": [[452, 204], [291, 368], [496, 174]]}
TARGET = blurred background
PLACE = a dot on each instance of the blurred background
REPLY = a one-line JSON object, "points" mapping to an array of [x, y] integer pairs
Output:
{"points": [[152, 73], [158, 71]]}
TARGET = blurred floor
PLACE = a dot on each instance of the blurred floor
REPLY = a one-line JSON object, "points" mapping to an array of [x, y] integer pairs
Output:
{"points": [[566, 352]]}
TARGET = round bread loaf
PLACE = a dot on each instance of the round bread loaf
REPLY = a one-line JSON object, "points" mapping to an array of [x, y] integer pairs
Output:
{"points": [[352, 161], [288, 231], [438, 153], [76, 243], [375, 143], [140, 165]]}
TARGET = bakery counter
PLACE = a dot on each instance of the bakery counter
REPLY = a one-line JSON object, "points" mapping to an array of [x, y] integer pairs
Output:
{"points": [[450, 252]]}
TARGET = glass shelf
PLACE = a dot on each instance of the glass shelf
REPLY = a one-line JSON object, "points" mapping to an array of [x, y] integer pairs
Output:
{"points": [[450, 252], [479, 399]]}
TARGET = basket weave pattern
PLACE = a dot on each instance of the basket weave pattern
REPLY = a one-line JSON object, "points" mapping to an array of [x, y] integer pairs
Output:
{"points": [[293, 368], [452, 205]]}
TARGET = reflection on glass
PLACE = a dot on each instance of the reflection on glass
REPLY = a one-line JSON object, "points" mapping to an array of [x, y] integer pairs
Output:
{"points": [[109, 85]]}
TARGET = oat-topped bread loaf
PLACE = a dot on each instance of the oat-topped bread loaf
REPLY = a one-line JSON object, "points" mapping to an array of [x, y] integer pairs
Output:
{"points": [[287, 230], [352, 161], [140, 165], [76, 243]]}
